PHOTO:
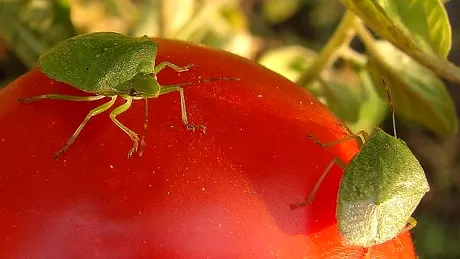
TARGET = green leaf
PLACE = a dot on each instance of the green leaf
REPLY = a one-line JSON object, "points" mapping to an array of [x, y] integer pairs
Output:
{"points": [[417, 93], [353, 98], [373, 108], [290, 61], [343, 99], [420, 28]]}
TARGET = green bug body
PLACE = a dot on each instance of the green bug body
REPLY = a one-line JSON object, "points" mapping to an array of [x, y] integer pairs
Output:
{"points": [[380, 189], [100, 62], [109, 64]]}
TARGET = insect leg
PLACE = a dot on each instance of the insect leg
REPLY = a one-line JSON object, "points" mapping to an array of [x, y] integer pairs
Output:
{"points": [[61, 97], [367, 252], [92, 113], [411, 223], [189, 126], [337, 161], [146, 123], [177, 68], [360, 136], [120, 109]]}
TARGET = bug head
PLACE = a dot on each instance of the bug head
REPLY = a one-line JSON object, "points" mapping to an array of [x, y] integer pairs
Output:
{"points": [[144, 85]]}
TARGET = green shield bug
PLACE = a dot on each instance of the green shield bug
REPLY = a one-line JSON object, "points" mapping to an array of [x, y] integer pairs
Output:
{"points": [[109, 64], [379, 190]]}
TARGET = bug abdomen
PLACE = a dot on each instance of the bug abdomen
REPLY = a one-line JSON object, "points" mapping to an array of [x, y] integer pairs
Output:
{"points": [[358, 222], [365, 223]]}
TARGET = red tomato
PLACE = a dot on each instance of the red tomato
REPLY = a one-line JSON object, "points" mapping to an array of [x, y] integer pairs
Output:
{"points": [[221, 194]]}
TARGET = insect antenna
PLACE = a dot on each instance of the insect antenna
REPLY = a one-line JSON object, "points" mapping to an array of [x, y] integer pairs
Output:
{"points": [[212, 79], [391, 104]]}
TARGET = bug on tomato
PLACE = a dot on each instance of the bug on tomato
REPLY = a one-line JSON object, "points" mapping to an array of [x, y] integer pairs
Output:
{"points": [[109, 64], [380, 188]]}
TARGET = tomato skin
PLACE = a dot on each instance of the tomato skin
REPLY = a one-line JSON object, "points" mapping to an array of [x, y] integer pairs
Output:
{"points": [[222, 194]]}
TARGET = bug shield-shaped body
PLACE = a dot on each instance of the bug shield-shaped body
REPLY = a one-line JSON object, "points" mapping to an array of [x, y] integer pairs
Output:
{"points": [[380, 189], [104, 63]]}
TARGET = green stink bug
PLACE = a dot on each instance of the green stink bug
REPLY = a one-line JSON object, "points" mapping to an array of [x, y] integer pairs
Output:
{"points": [[109, 64], [380, 188]]}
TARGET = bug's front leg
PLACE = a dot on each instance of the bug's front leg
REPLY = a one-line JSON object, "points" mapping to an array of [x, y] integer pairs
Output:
{"points": [[92, 113], [146, 123], [117, 111], [189, 126], [334, 161], [176, 68], [360, 136]]}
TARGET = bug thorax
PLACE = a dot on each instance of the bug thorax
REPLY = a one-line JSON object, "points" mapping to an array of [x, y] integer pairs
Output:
{"points": [[142, 85]]}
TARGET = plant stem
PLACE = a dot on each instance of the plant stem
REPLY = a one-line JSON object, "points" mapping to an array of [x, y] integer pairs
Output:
{"points": [[341, 37], [367, 39], [369, 42], [440, 66], [354, 57]]}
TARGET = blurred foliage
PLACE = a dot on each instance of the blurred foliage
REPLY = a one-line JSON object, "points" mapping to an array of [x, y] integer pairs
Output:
{"points": [[420, 95], [323, 45], [32, 27]]}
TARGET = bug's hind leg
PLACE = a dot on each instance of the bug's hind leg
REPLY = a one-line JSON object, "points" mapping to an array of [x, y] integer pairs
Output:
{"points": [[117, 111], [176, 68], [367, 252], [92, 113], [61, 97], [411, 223], [189, 126]]}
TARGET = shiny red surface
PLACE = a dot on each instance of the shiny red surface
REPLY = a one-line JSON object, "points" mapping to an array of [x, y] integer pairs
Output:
{"points": [[222, 194]]}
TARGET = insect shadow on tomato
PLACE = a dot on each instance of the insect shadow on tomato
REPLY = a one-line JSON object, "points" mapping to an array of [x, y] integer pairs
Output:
{"points": [[109, 64], [380, 188]]}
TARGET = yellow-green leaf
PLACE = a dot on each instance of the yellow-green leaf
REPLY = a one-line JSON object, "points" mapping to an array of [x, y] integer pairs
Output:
{"points": [[423, 23], [417, 93], [420, 28], [290, 61]]}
